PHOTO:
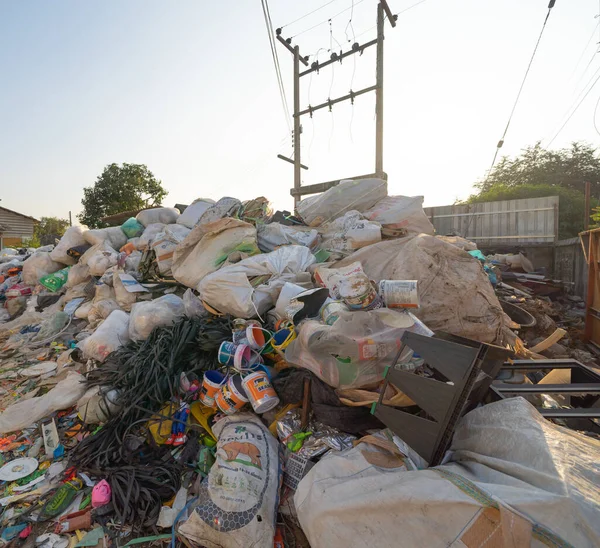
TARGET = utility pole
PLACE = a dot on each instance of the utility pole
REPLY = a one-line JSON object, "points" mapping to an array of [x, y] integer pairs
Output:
{"points": [[70, 219], [379, 95], [297, 127]]}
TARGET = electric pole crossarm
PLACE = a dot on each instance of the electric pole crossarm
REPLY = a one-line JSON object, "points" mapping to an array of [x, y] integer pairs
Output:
{"points": [[359, 49], [332, 102], [388, 12], [291, 49]]}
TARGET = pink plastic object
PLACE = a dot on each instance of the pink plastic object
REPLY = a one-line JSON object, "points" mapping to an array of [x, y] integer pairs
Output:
{"points": [[101, 494]]}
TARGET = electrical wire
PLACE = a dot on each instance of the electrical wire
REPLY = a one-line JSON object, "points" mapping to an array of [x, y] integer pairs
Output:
{"points": [[349, 24], [595, 114], [583, 53], [328, 19], [501, 142], [309, 13], [269, 25]]}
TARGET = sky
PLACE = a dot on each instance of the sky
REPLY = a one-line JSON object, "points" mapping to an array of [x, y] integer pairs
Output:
{"points": [[189, 89]]}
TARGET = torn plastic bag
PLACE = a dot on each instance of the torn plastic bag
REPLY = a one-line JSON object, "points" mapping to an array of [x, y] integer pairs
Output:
{"points": [[208, 246], [24, 413], [147, 315], [251, 287], [194, 211], [111, 335], [356, 349], [78, 274], [348, 233], [514, 480], [164, 215], [193, 305], [401, 213], [164, 245], [237, 502], [358, 194], [38, 265], [455, 294], [225, 207], [72, 237], [113, 236], [151, 232], [273, 235]]}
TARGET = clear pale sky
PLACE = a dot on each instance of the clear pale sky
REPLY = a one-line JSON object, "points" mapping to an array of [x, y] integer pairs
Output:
{"points": [[189, 89]]}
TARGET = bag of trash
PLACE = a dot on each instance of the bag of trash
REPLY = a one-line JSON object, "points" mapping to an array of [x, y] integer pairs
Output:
{"points": [[164, 245], [273, 235], [132, 228], [78, 274], [237, 502], [99, 258], [27, 412], [455, 294], [38, 265], [132, 262], [230, 290], [194, 211], [401, 213], [164, 215], [56, 280], [8, 252], [102, 309], [358, 194], [98, 404], [111, 335], [193, 305], [356, 349], [123, 297], [72, 237], [83, 311], [225, 207], [514, 479], [77, 252], [150, 233], [348, 233], [208, 246], [113, 236], [459, 242], [147, 315]]}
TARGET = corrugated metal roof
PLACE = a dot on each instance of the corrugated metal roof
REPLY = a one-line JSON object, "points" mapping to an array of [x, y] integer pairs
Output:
{"points": [[21, 214]]}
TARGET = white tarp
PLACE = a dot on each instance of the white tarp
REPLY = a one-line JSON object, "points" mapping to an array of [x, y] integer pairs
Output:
{"points": [[514, 480]]}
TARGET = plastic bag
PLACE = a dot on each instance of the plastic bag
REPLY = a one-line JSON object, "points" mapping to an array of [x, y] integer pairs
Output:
{"points": [[358, 194], [55, 281], [24, 413], [99, 258], [194, 211], [208, 246], [123, 297], [349, 233], [8, 252], [72, 237], [164, 215], [38, 265], [401, 212], [102, 309], [83, 311], [52, 326], [147, 315], [132, 262], [113, 236], [225, 207], [273, 235], [132, 228], [356, 349], [230, 290], [241, 490], [459, 242], [78, 274], [193, 305], [164, 246], [111, 335], [149, 235]]}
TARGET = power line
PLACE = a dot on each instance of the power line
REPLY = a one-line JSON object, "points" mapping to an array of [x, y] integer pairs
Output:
{"points": [[284, 103], [385, 17], [595, 112], [583, 53], [501, 141], [328, 19], [309, 13], [574, 111]]}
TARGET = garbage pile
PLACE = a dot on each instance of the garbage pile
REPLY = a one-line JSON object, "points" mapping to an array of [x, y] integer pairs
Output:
{"points": [[188, 376]]}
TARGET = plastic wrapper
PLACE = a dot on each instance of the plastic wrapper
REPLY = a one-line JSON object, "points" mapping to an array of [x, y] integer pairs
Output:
{"points": [[38, 265], [72, 237], [194, 211], [164, 215], [111, 335], [132, 228], [55, 281], [322, 438], [147, 315]]}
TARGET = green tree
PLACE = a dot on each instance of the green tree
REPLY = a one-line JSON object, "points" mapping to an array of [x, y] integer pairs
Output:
{"points": [[537, 172], [48, 230], [120, 188]]}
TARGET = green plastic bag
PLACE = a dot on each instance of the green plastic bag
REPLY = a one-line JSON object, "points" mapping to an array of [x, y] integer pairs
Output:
{"points": [[132, 228], [55, 281]]}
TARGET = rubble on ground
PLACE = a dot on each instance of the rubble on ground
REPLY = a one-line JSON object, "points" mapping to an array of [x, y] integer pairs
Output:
{"points": [[207, 377]]}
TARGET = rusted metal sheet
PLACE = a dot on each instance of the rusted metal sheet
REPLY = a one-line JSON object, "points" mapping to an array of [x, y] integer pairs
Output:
{"points": [[590, 241], [529, 221]]}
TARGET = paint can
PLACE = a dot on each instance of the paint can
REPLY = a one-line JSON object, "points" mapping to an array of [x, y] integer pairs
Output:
{"points": [[226, 353], [211, 383], [399, 293], [231, 397], [255, 336], [282, 338], [330, 311], [260, 392], [359, 294]]}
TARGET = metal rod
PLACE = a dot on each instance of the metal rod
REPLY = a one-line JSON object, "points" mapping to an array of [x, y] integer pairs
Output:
{"points": [[574, 413], [291, 49], [332, 102], [388, 12], [289, 160], [297, 126], [339, 57], [379, 94], [580, 388]]}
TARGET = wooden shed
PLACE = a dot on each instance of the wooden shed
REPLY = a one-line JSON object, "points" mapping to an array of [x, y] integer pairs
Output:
{"points": [[15, 228]]}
